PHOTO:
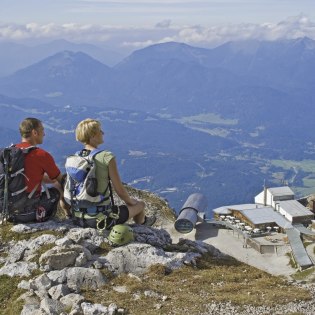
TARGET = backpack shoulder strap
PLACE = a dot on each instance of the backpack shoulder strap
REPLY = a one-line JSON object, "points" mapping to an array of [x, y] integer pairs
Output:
{"points": [[29, 149], [111, 192], [90, 155], [94, 152], [24, 150]]}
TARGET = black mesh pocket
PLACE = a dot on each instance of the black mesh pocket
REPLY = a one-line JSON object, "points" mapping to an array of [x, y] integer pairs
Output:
{"points": [[91, 187]]}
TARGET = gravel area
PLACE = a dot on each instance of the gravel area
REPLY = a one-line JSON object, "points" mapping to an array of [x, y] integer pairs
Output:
{"points": [[306, 308]]}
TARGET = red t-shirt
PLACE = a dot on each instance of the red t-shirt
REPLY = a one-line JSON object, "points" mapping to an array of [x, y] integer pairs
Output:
{"points": [[37, 163]]}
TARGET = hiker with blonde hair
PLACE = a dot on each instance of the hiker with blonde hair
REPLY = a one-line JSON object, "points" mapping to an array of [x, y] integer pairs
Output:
{"points": [[91, 135]]}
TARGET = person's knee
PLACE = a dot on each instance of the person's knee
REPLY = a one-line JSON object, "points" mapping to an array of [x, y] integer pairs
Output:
{"points": [[141, 205], [136, 209]]}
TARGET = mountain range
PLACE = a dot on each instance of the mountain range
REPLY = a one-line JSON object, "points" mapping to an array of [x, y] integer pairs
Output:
{"points": [[183, 118], [14, 56]]}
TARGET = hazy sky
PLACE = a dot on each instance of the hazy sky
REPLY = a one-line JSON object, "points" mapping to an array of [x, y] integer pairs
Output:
{"points": [[134, 24]]}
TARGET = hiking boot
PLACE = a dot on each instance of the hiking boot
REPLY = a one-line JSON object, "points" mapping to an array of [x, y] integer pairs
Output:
{"points": [[149, 221]]}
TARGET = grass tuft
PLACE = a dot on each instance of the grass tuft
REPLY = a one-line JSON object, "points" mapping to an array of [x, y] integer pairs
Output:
{"points": [[103, 249], [6, 235], [9, 294], [304, 274]]}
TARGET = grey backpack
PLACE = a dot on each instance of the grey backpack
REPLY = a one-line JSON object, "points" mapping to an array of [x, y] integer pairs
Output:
{"points": [[81, 183]]}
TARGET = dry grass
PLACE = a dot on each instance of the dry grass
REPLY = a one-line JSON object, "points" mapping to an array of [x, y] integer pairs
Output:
{"points": [[103, 249], [304, 274], [188, 289], [6, 235], [292, 262], [157, 206], [8, 296]]}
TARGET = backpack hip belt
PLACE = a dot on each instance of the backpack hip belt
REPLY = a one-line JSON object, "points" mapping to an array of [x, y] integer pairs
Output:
{"points": [[96, 209], [103, 219]]}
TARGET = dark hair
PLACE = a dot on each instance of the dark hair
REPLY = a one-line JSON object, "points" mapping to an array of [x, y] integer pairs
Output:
{"points": [[29, 124]]}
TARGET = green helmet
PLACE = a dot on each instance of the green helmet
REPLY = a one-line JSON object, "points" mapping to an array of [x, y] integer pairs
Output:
{"points": [[121, 234]]}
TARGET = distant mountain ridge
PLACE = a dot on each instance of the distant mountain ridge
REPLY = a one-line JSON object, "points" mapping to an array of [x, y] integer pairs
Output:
{"points": [[166, 75], [60, 76], [251, 58], [14, 57], [166, 51], [283, 64]]}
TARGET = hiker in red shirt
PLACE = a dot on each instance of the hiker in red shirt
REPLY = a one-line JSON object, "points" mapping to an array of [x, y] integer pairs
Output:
{"points": [[40, 167]]}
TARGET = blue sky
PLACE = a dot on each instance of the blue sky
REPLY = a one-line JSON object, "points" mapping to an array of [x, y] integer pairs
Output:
{"points": [[141, 12], [135, 24]]}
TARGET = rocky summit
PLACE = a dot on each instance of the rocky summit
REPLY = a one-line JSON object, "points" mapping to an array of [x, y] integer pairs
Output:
{"points": [[58, 268]]}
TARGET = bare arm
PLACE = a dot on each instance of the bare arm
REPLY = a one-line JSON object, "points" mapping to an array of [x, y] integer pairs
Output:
{"points": [[118, 186], [56, 182], [47, 180]]}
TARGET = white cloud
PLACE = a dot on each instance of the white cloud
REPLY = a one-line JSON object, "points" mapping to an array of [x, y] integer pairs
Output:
{"points": [[290, 28], [293, 27], [138, 37], [142, 44]]}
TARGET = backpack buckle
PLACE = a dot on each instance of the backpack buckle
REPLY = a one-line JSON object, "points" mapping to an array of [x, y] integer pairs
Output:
{"points": [[40, 214], [114, 215]]}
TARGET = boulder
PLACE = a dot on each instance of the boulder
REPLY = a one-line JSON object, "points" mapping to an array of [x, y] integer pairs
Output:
{"points": [[61, 257], [24, 249], [58, 276], [18, 269], [25, 285], [94, 309], [49, 225], [31, 309], [150, 235], [89, 238], [16, 252], [52, 307], [41, 283], [137, 258], [78, 277], [72, 300], [58, 291], [65, 241], [200, 247]]}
